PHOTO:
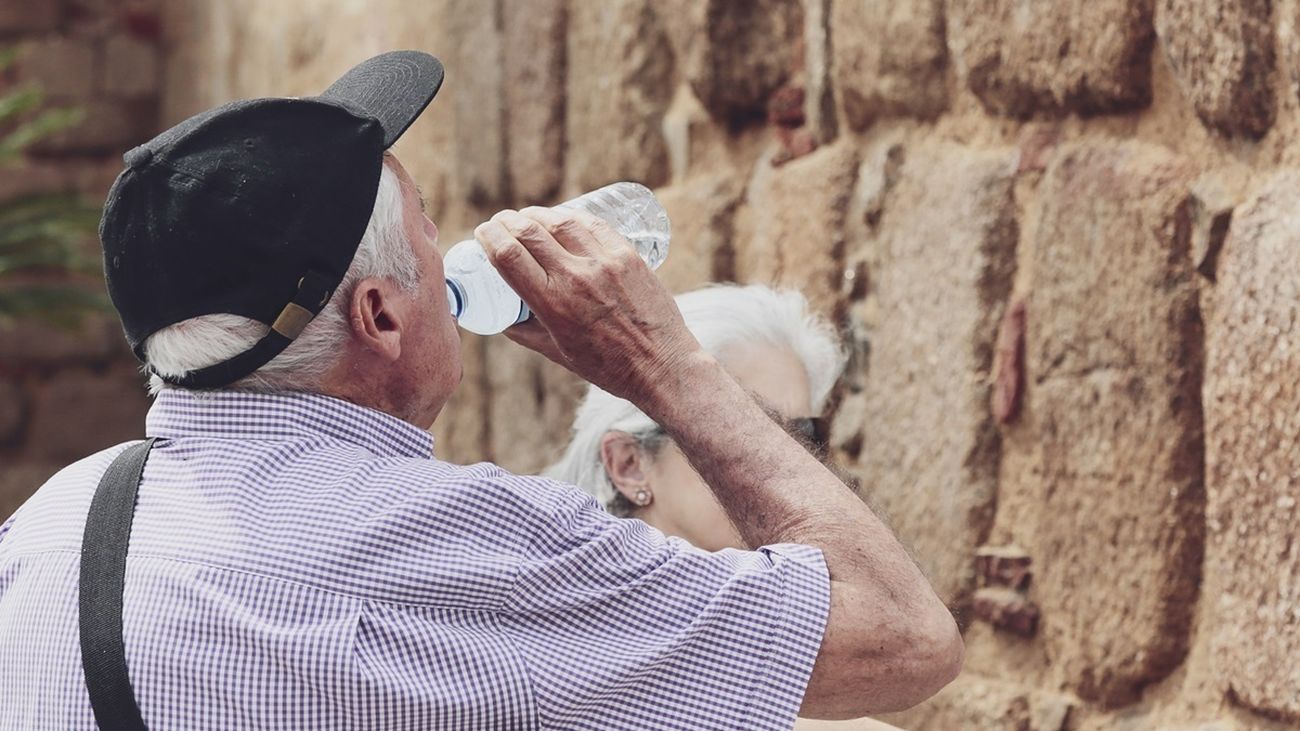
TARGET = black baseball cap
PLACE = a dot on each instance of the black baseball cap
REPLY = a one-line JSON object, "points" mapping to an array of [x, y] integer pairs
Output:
{"points": [[256, 208]]}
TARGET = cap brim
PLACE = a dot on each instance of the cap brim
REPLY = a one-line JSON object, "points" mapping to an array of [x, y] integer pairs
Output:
{"points": [[393, 87]]}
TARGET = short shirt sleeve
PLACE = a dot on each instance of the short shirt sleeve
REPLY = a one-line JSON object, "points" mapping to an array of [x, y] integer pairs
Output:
{"points": [[621, 626]]}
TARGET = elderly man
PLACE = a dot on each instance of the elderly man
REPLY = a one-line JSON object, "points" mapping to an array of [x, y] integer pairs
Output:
{"points": [[284, 551]]}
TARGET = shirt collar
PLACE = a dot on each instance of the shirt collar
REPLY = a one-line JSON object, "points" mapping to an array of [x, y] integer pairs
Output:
{"points": [[180, 413]]}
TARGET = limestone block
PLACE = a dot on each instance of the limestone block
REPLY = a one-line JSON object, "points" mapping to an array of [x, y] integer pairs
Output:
{"points": [[12, 411], [531, 402], [1077, 56], [477, 66], [61, 67], [944, 257], [702, 213], [1222, 53], [1113, 355], [18, 480], [819, 82], [77, 412], [36, 344], [25, 16], [130, 67], [699, 144], [1007, 610], [794, 233], [98, 18], [534, 56], [972, 702], [734, 53], [460, 431], [109, 126], [1252, 454], [619, 84], [890, 59]]}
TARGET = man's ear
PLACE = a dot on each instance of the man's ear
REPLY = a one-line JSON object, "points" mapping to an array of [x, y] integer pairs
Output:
{"points": [[624, 461], [377, 316]]}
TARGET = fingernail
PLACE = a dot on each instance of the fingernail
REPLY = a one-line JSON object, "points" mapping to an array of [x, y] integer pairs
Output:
{"points": [[491, 232], [512, 220]]}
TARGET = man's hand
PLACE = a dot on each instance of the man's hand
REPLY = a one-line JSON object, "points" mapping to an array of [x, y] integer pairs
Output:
{"points": [[598, 309]]}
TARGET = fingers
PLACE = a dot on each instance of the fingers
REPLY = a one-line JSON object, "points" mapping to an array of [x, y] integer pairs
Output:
{"points": [[535, 237], [569, 228], [516, 263], [533, 335], [604, 234]]}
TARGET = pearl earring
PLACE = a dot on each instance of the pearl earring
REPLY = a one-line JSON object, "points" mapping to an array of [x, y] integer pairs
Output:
{"points": [[643, 497]]}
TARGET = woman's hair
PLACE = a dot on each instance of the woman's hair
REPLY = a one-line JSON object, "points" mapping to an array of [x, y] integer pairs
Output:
{"points": [[191, 344], [721, 317]]}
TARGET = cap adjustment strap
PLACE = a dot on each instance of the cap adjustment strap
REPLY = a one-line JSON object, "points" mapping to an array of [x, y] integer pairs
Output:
{"points": [[314, 290]]}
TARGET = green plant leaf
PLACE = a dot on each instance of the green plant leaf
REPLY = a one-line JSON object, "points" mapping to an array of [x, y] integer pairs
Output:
{"points": [[44, 124], [19, 102], [7, 57]]}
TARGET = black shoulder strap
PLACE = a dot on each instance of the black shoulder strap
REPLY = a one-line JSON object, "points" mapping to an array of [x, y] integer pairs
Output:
{"points": [[103, 570]]}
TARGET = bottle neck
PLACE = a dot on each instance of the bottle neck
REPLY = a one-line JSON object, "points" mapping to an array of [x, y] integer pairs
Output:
{"points": [[455, 298]]}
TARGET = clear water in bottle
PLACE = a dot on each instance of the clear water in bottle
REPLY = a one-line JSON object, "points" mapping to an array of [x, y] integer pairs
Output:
{"points": [[483, 303]]}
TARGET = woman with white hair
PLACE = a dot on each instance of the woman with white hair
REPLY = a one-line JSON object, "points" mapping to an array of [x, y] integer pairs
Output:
{"points": [[786, 356]]}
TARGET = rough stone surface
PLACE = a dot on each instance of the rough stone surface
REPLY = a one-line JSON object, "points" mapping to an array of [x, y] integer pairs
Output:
{"points": [[24, 16], [131, 67], [36, 344], [108, 126], [531, 408], [1009, 365], [19, 480], [1007, 610], [480, 149], [534, 56], [1252, 454], [734, 53], [618, 88], [460, 431], [78, 412], [61, 67], [702, 213], [1080, 56], [890, 59], [1115, 398], [945, 255], [1007, 566], [976, 703], [820, 97], [1222, 53], [804, 200], [12, 408], [1212, 203]]}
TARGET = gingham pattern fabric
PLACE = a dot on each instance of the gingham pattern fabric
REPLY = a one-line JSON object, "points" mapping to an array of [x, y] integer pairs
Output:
{"points": [[301, 562]]}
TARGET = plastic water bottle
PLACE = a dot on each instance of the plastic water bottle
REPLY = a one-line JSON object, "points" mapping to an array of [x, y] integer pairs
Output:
{"points": [[483, 303]]}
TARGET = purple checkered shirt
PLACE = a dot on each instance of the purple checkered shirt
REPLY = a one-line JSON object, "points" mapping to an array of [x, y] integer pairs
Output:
{"points": [[301, 562]]}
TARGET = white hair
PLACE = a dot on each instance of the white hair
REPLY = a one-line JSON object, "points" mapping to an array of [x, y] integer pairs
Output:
{"points": [[720, 317], [384, 251]]}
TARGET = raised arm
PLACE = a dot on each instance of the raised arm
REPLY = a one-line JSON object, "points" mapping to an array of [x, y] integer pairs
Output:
{"points": [[889, 641]]}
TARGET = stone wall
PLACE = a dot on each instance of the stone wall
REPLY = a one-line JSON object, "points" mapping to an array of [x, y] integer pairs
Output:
{"points": [[66, 394], [1059, 238]]}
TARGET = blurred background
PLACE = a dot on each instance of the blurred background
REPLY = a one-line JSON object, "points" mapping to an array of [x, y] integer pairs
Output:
{"points": [[1060, 238]]}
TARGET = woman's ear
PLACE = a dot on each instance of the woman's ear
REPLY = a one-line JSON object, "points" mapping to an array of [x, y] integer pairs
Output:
{"points": [[376, 316], [625, 463]]}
